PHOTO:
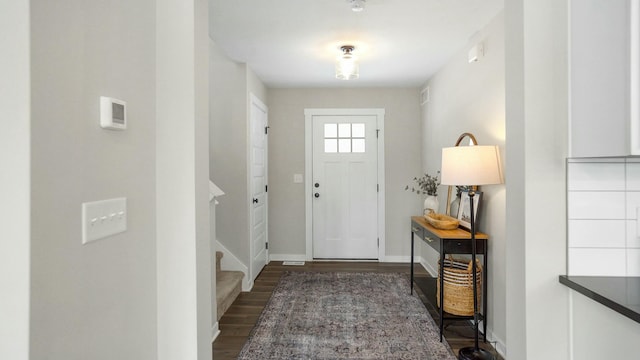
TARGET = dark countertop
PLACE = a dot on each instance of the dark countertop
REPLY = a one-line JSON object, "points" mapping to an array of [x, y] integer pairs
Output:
{"points": [[621, 294]]}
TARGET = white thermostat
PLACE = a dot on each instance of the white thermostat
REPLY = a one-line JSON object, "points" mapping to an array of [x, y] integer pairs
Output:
{"points": [[113, 113]]}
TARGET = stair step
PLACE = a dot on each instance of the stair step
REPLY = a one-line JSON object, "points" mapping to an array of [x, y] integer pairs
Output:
{"points": [[228, 286]]}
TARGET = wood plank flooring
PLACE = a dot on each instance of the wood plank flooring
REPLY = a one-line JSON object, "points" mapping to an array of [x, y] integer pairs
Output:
{"points": [[237, 322]]}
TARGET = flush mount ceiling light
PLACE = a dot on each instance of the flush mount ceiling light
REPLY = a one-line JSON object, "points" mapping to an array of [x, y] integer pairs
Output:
{"points": [[347, 64], [357, 5]]}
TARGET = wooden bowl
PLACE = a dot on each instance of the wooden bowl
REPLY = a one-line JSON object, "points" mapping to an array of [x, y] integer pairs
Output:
{"points": [[441, 221]]}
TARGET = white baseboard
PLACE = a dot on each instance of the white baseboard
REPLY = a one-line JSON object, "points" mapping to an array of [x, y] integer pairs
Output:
{"points": [[407, 259], [433, 272], [215, 331], [230, 262], [298, 257], [497, 343], [416, 259], [287, 257], [396, 259], [387, 259], [247, 285]]}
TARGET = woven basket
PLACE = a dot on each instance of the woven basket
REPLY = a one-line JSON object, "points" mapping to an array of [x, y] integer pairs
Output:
{"points": [[458, 286]]}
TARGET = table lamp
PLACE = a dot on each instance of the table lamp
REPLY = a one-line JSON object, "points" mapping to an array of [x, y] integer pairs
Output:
{"points": [[472, 165]]}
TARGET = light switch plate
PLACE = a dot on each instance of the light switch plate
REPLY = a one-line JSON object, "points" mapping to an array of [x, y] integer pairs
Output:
{"points": [[103, 218], [297, 178]]}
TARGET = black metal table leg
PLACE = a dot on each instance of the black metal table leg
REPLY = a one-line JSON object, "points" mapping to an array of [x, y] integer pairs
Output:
{"points": [[441, 280], [484, 293], [412, 263]]}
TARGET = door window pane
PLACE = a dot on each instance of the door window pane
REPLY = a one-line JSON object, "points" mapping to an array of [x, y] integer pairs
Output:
{"points": [[358, 145], [330, 145], [344, 130], [344, 145], [357, 130], [330, 130]]}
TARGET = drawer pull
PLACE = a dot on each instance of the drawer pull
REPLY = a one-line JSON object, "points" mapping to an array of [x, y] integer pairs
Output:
{"points": [[428, 239], [414, 229]]}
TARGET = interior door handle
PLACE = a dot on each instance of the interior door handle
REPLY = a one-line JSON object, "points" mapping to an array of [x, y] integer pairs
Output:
{"points": [[255, 200]]}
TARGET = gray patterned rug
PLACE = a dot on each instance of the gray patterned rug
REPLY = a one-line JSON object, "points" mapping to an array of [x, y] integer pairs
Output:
{"points": [[344, 316]]}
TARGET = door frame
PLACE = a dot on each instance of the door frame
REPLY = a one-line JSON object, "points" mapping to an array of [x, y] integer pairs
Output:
{"points": [[254, 100], [308, 169]]}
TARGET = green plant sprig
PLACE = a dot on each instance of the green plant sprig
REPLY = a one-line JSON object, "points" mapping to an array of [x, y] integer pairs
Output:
{"points": [[427, 185]]}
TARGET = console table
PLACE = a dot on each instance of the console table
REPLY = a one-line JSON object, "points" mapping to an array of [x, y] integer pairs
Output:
{"points": [[457, 241]]}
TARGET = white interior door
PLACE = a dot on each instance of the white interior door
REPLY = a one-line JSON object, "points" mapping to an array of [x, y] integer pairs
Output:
{"points": [[258, 186], [345, 187]]}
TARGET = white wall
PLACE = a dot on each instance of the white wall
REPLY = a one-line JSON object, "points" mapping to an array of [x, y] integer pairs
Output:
{"points": [[256, 87], [602, 193], [203, 266], [537, 145], [212, 206], [286, 158], [228, 149], [601, 333], [469, 97], [537, 314], [15, 182], [231, 84], [184, 268], [212, 245], [94, 301], [98, 301], [514, 168]]}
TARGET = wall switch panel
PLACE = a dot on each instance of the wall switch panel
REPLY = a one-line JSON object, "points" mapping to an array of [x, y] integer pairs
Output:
{"points": [[103, 218], [297, 178]]}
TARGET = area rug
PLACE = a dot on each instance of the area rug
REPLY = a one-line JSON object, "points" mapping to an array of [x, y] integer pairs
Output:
{"points": [[345, 316]]}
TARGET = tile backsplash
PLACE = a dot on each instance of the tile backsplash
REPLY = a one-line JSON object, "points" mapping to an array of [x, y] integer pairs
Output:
{"points": [[603, 204]]}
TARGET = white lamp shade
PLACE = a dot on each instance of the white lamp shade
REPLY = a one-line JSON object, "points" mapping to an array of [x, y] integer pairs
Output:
{"points": [[471, 165]]}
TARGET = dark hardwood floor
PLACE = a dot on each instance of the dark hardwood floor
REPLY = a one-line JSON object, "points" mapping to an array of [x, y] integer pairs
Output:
{"points": [[237, 322]]}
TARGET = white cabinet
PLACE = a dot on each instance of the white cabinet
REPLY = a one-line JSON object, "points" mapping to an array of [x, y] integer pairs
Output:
{"points": [[604, 78]]}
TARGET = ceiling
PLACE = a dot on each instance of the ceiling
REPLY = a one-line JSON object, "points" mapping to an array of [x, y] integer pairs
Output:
{"points": [[294, 43]]}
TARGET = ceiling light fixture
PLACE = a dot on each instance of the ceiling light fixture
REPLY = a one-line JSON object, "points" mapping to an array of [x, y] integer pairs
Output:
{"points": [[357, 5], [347, 64]]}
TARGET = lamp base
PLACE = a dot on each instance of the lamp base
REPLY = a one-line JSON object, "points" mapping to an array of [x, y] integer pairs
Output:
{"points": [[471, 353]]}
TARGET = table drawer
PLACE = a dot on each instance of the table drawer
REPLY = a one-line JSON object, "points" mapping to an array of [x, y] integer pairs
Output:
{"points": [[432, 239], [463, 247], [417, 229]]}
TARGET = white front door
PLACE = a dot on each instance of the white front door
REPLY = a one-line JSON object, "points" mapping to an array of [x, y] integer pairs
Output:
{"points": [[258, 185], [345, 187]]}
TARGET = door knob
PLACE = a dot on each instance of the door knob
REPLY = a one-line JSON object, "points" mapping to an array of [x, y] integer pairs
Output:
{"points": [[316, 195], [255, 200]]}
